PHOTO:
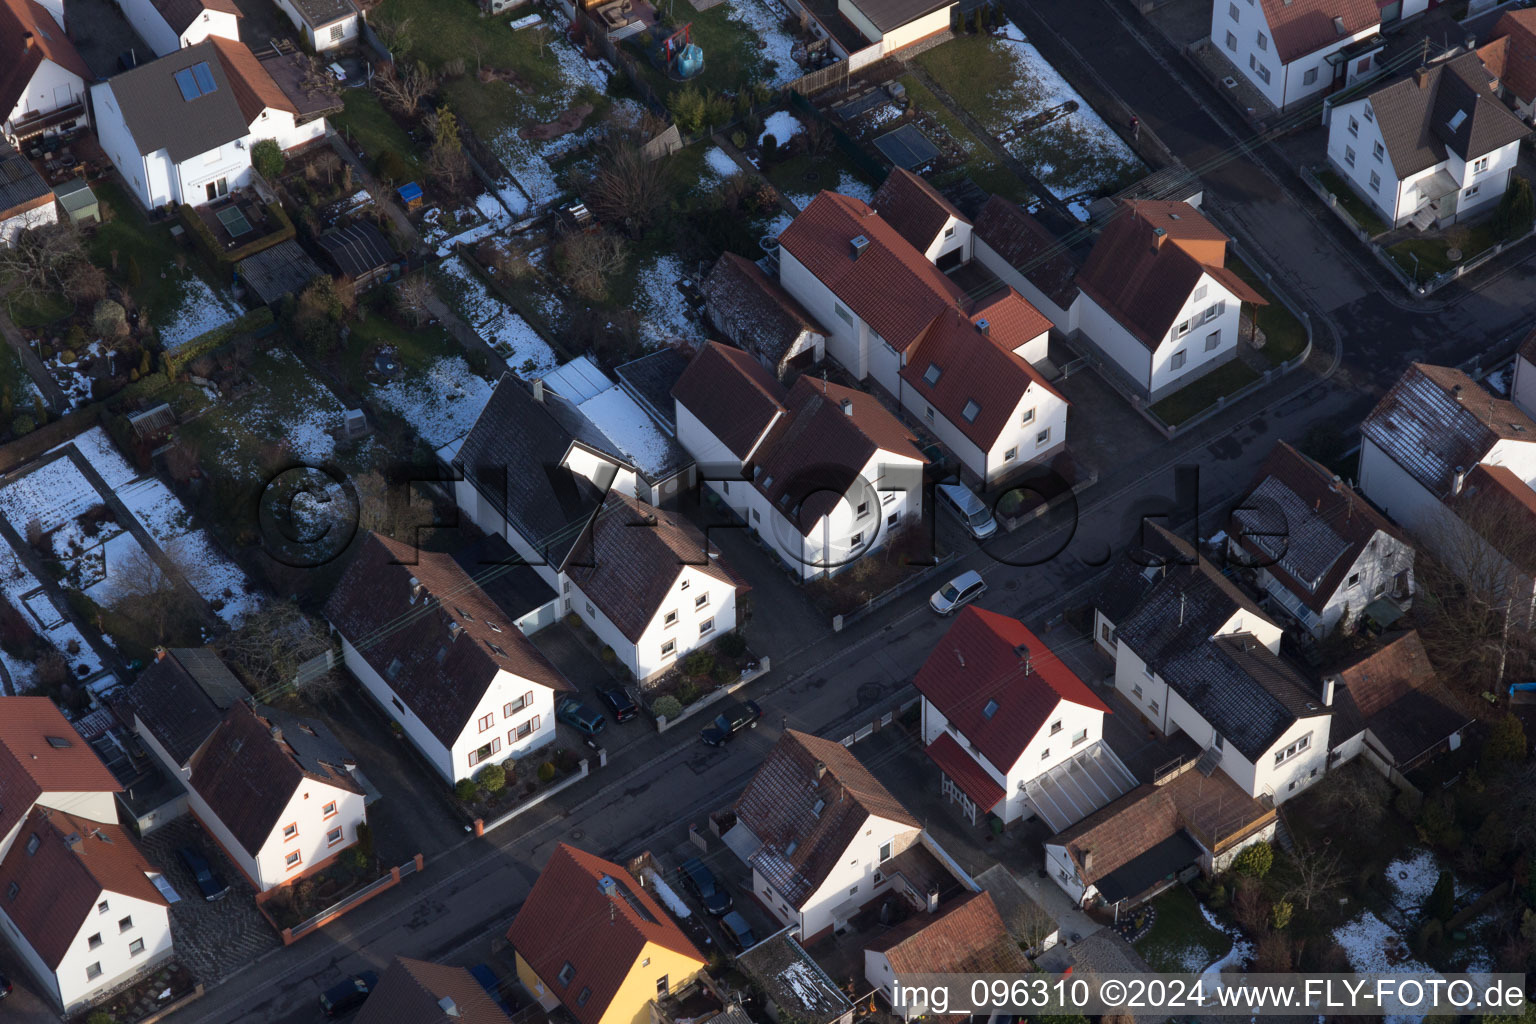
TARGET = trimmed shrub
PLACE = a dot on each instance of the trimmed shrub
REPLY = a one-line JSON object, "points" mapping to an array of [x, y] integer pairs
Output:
{"points": [[547, 772], [466, 790], [23, 424], [700, 663], [267, 158], [666, 707], [492, 778], [1254, 861], [732, 645]]}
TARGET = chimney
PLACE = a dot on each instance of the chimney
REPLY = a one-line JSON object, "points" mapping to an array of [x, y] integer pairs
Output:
{"points": [[933, 899], [1458, 481], [984, 326], [448, 1006], [1023, 652], [846, 405], [454, 629], [159, 653], [607, 886], [857, 245], [417, 589], [1087, 861], [27, 41], [1328, 685], [1421, 79], [74, 842], [820, 770], [538, 390], [1159, 236], [277, 733]]}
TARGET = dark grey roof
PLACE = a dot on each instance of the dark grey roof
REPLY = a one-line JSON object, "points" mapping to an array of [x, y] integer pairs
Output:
{"points": [[1147, 869], [512, 456], [283, 269], [314, 745], [887, 15], [319, 13], [1447, 106], [518, 590], [356, 249], [159, 118], [1290, 531], [182, 697], [20, 184], [650, 378], [181, 14], [1248, 694]]}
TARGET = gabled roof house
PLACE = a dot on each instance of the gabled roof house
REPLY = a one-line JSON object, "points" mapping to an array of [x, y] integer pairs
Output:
{"points": [[819, 832], [1318, 548], [421, 992], [821, 472], [42, 77], [591, 939], [965, 937], [1293, 51], [169, 25], [442, 658], [754, 312], [1510, 57]]}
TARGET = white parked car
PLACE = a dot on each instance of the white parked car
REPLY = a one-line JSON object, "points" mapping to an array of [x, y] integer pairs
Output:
{"points": [[968, 586], [969, 509]]}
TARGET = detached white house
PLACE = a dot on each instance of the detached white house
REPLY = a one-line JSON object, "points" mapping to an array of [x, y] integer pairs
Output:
{"points": [[892, 25], [819, 833], [1194, 655], [292, 121], [1318, 549], [1000, 711], [1157, 299], [169, 25], [876, 276], [822, 473], [1428, 149], [1294, 50], [467, 687], [43, 86], [326, 24], [79, 905]]}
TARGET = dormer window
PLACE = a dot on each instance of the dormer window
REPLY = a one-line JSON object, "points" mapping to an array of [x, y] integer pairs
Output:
{"points": [[990, 710], [971, 411], [932, 374]]}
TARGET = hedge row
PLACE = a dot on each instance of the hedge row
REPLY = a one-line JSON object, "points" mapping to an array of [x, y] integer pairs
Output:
{"points": [[210, 245], [255, 320]]}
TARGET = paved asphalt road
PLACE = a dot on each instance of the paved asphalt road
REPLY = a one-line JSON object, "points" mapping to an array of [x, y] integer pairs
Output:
{"points": [[834, 683]]}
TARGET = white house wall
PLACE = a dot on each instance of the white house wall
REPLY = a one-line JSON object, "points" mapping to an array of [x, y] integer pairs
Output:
{"points": [[853, 877], [1519, 457], [52, 87], [269, 868], [323, 39], [1391, 489], [151, 27], [506, 688], [1236, 27], [644, 658], [1523, 390], [151, 922], [848, 340], [280, 126], [211, 23], [958, 239], [431, 748], [231, 161], [1197, 359], [913, 31], [1064, 319], [1119, 345]]}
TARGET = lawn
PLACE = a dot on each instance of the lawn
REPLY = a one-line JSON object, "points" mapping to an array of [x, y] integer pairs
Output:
{"points": [[1181, 940], [141, 256], [37, 309], [1433, 251], [1362, 212], [803, 175], [1200, 395], [733, 59], [416, 348], [1285, 335], [439, 31], [978, 73], [980, 165], [370, 129]]}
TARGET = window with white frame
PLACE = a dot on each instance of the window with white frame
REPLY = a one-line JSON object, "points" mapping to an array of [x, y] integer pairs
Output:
{"points": [[1182, 329], [1309, 77], [1027, 416], [1378, 150], [706, 627], [1079, 736], [702, 601], [1366, 110], [524, 730], [1262, 40], [1282, 756], [1233, 12], [669, 648], [670, 619], [1263, 74], [1375, 182], [1349, 156], [1010, 454], [1042, 437], [1470, 192], [1354, 126], [1480, 165]]}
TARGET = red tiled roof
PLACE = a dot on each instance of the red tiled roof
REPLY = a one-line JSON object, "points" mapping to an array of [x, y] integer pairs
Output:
{"points": [[57, 888], [890, 286], [20, 58], [1028, 247], [568, 919], [1143, 282], [979, 662], [974, 368], [1516, 30], [40, 752], [1502, 508], [816, 451], [965, 937], [801, 844], [1301, 26], [731, 394], [440, 676], [914, 208], [254, 88], [963, 770], [1384, 676]]}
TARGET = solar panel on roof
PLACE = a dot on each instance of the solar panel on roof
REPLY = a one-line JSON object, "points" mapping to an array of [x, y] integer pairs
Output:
{"points": [[204, 77], [187, 84]]}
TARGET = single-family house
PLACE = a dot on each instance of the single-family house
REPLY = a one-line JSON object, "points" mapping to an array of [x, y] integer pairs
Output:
{"points": [[1000, 710], [42, 77], [1023, 254], [169, 25], [875, 276], [26, 201], [1317, 548], [1140, 845], [753, 312], [1194, 654], [1522, 387], [1510, 57], [593, 940], [1158, 300], [818, 831], [421, 992], [79, 905], [326, 24], [268, 109], [175, 129], [1393, 709], [1430, 148], [896, 24], [966, 936], [821, 472], [649, 584], [1297, 50], [442, 658]]}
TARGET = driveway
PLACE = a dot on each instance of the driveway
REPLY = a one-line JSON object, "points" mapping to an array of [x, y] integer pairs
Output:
{"points": [[212, 939], [24, 1005], [587, 673], [100, 33]]}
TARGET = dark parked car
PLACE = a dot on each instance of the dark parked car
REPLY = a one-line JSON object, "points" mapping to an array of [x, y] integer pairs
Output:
{"points": [[5, 986], [731, 721], [212, 885], [701, 880], [737, 931], [347, 995], [619, 703], [580, 717]]}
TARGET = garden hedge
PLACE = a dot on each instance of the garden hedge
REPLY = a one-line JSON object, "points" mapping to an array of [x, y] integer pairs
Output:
{"points": [[210, 246]]}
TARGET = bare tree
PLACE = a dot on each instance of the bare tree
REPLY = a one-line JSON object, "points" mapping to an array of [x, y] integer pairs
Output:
{"points": [[41, 258], [271, 645], [627, 187], [147, 594], [446, 159], [327, 163], [589, 261], [414, 294], [395, 32], [404, 84], [1311, 872]]}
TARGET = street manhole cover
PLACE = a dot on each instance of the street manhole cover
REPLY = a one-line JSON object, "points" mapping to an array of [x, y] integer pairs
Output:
{"points": [[1011, 585], [577, 834], [1453, 254]]}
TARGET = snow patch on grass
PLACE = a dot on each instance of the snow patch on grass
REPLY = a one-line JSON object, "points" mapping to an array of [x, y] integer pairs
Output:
{"points": [[201, 311], [441, 404], [782, 125], [766, 19], [513, 338], [663, 310], [719, 163]]}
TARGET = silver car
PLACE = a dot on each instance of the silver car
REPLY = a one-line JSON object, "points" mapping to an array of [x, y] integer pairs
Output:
{"points": [[966, 587]]}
